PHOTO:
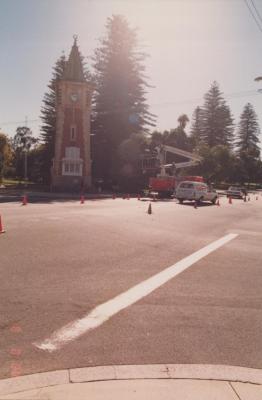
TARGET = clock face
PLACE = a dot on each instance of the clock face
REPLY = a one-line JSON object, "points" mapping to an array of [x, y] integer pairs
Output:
{"points": [[74, 97]]}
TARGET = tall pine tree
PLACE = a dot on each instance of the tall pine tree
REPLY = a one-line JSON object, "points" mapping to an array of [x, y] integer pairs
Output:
{"points": [[196, 127], [48, 116], [217, 122], [248, 131], [120, 108], [247, 144]]}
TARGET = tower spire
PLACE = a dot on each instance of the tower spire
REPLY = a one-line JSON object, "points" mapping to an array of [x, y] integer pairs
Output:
{"points": [[74, 67]]}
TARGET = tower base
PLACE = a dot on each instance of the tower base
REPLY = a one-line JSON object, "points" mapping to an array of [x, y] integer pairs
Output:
{"points": [[71, 183]]}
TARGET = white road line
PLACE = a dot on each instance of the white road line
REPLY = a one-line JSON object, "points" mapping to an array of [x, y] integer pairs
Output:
{"points": [[104, 311]]}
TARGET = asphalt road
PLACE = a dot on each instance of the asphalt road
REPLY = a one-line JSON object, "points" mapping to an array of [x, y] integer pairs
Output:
{"points": [[58, 261]]}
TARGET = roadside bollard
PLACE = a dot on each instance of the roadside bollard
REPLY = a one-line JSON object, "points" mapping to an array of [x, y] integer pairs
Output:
{"points": [[24, 200], [1, 226], [218, 202], [149, 211], [195, 204], [82, 199], [230, 200]]}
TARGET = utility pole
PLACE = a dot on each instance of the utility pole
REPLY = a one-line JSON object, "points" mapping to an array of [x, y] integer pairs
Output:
{"points": [[25, 171]]}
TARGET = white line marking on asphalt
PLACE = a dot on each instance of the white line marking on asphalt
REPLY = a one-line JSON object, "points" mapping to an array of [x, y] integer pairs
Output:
{"points": [[104, 311]]}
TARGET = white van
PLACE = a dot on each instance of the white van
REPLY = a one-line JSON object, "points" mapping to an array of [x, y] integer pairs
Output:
{"points": [[195, 191]]}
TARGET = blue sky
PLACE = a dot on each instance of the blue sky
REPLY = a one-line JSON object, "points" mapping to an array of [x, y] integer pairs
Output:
{"points": [[190, 42]]}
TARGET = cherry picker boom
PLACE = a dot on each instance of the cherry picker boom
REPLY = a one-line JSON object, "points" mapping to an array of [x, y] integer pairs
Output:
{"points": [[165, 182]]}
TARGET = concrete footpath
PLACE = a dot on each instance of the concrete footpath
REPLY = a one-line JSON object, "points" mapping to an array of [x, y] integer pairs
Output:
{"points": [[160, 381]]}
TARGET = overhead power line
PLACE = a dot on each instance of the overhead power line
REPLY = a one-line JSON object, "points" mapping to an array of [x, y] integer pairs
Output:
{"points": [[253, 14], [19, 122], [241, 94], [233, 95], [257, 12]]}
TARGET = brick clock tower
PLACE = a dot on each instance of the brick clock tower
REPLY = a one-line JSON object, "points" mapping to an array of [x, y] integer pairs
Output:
{"points": [[71, 168]]}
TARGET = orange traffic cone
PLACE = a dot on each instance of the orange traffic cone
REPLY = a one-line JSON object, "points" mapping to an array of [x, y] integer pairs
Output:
{"points": [[82, 199], [218, 202], [149, 211], [1, 226], [24, 200], [230, 200]]}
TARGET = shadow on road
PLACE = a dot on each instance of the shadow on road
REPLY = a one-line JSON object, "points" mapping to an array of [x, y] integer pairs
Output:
{"points": [[158, 200], [192, 204]]}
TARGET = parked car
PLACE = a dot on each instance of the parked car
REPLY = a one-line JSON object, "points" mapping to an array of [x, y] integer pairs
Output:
{"points": [[195, 191], [236, 192]]}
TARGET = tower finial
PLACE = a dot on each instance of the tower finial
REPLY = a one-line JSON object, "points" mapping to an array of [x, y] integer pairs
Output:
{"points": [[75, 37]]}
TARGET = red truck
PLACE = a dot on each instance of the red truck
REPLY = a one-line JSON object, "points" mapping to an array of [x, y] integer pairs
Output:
{"points": [[165, 186]]}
